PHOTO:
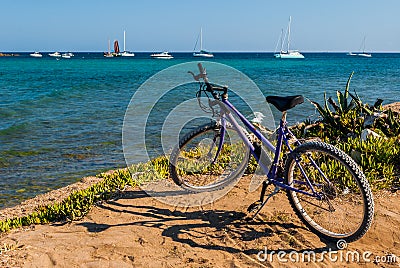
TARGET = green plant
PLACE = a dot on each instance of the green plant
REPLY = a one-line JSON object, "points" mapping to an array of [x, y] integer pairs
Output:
{"points": [[388, 124], [341, 124], [379, 159], [343, 111], [77, 204], [348, 116]]}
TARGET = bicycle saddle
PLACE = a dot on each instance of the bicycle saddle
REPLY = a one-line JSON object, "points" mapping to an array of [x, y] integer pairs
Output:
{"points": [[285, 103]]}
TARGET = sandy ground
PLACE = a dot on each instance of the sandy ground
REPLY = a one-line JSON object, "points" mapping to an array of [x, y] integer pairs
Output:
{"points": [[138, 231], [394, 106], [55, 196]]}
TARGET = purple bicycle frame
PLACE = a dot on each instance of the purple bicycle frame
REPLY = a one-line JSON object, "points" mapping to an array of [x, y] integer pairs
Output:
{"points": [[226, 109]]}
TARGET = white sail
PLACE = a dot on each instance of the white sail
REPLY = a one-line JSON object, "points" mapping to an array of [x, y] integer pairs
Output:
{"points": [[288, 54]]}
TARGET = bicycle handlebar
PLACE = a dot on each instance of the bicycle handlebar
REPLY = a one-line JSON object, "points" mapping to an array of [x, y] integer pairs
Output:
{"points": [[203, 75]]}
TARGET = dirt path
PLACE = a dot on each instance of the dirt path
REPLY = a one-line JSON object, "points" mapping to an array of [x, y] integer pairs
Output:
{"points": [[138, 231]]}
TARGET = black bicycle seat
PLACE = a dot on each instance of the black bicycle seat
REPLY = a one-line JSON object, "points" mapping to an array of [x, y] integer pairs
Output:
{"points": [[285, 103]]}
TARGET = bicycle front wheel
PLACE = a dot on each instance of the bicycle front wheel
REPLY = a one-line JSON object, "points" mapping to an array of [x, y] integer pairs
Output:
{"points": [[193, 165], [345, 208]]}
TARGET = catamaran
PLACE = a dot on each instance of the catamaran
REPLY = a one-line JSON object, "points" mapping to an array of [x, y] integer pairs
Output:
{"points": [[126, 53], [287, 54], [202, 53]]}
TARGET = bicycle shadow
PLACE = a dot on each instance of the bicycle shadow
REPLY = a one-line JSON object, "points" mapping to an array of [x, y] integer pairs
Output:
{"points": [[210, 229]]}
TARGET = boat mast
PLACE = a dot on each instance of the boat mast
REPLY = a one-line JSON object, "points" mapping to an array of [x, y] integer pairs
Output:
{"points": [[288, 42], [281, 42], [363, 45], [124, 41], [201, 38]]}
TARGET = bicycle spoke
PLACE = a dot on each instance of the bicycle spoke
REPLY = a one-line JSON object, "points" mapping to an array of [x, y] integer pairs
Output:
{"points": [[345, 208], [198, 165]]}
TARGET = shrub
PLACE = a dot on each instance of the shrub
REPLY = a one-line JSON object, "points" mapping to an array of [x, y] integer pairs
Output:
{"points": [[379, 159], [77, 205], [341, 124], [348, 116]]}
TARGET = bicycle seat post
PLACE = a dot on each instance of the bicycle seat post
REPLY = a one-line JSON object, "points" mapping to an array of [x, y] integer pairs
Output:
{"points": [[283, 118]]}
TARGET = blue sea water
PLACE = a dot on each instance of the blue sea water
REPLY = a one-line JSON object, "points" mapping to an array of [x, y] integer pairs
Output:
{"points": [[61, 120]]}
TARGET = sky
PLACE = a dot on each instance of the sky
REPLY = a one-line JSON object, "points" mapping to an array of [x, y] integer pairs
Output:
{"points": [[172, 25]]}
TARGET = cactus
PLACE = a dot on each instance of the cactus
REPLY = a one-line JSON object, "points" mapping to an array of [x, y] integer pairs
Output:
{"points": [[350, 116]]}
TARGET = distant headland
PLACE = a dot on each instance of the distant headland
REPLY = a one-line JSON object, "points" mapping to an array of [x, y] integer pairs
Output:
{"points": [[8, 55]]}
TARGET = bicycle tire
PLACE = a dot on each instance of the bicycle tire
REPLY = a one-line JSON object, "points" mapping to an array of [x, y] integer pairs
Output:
{"points": [[197, 173], [348, 192]]}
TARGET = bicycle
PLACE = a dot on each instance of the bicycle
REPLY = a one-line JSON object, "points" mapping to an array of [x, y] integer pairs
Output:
{"points": [[325, 187]]}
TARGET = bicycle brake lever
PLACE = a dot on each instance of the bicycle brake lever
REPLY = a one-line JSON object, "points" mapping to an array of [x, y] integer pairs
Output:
{"points": [[196, 77]]}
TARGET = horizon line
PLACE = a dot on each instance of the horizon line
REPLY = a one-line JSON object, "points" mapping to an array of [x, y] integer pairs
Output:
{"points": [[182, 51]]}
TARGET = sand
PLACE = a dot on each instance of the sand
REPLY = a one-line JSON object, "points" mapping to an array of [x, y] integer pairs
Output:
{"points": [[138, 231], [394, 106]]}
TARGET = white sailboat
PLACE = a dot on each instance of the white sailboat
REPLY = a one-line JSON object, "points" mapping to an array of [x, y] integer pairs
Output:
{"points": [[126, 53], [288, 54], [363, 53], [202, 53]]}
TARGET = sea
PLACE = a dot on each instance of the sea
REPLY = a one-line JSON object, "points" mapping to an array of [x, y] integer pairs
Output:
{"points": [[61, 120]]}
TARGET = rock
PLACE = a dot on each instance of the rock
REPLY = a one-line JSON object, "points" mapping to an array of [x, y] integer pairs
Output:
{"points": [[356, 155], [366, 133], [370, 119]]}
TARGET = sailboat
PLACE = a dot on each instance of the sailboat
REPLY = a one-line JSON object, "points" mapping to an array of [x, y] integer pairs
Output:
{"points": [[126, 53], [288, 54], [202, 53], [108, 54], [116, 52], [363, 53]]}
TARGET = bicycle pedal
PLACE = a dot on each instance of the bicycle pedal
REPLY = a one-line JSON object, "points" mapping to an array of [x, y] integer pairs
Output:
{"points": [[255, 206]]}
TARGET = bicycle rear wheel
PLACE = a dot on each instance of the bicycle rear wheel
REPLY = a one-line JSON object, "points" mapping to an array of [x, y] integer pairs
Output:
{"points": [[346, 208], [192, 164]]}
